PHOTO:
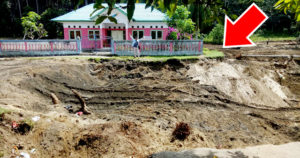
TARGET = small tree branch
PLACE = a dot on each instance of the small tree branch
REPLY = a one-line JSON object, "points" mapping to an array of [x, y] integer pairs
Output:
{"points": [[82, 102]]}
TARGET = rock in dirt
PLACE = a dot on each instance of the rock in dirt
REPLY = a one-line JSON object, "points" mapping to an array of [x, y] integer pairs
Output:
{"points": [[263, 151]]}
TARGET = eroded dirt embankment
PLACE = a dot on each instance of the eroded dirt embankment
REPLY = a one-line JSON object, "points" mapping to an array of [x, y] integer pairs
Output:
{"points": [[136, 105]]}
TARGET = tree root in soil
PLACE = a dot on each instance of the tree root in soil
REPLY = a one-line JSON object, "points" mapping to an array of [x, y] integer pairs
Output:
{"points": [[82, 102]]}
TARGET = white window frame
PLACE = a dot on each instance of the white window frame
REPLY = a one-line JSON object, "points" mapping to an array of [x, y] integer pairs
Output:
{"points": [[74, 34], [138, 33], [156, 34], [94, 34]]}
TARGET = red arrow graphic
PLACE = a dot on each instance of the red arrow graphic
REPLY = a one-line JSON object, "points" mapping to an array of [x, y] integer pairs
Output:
{"points": [[236, 34]]}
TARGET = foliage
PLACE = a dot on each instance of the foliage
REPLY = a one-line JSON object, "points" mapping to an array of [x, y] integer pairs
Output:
{"points": [[172, 34], [181, 21], [217, 34], [54, 29], [32, 27], [206, 13], [10, 27], [277, 21], [289, 5]]}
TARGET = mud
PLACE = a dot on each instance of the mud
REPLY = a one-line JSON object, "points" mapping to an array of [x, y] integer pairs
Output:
{"points": [[137, 104]]}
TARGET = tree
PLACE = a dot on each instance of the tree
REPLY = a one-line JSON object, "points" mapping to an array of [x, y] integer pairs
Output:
{"points": [[19, 6], [180, 20], [32, 27], [206, 13], [212, 7], [54, 29], [277, 22], [289, 5]]}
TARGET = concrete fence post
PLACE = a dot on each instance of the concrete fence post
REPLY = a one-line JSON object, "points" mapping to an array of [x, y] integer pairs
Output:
{"points": [[26, 49], [199, 47], [202, 46], [51, 45], [79, 46], [112, 46], [171, 47]]}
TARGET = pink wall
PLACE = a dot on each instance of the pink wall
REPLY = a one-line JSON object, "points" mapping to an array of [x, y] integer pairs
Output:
{"points": [[86, 43], [147, 31]]}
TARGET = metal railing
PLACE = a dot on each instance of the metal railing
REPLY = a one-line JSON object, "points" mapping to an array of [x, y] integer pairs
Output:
{"points": [[159, 47], [39, 47]]}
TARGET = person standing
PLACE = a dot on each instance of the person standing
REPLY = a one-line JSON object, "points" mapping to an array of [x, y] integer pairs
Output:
{"points": [[135, 45]]}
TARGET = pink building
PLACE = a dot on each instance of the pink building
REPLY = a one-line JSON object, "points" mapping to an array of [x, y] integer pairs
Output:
{"points": [[146, 24]]}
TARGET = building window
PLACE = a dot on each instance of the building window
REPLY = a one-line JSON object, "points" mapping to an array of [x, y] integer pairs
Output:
{"points": [[79, 26], [119, 27], [94, 34], [99, 27], [94, 27], [109, 27], [157, 35], [75, 34], [74, 26], [69, 26], [162, 27], [138, 26], [88, 26], [156, 26], [151, 27], [143, 26], [138, 33], [132, 26]]}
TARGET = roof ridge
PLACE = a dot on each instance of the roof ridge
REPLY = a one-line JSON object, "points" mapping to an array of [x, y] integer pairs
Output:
{"points": [[83, 13]]}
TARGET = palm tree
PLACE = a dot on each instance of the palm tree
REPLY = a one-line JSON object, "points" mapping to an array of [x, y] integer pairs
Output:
{"points": [[20, 10], [37, 6]]}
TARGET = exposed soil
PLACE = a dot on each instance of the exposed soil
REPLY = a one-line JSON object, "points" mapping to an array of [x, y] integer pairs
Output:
{"points": [[136, 105]]}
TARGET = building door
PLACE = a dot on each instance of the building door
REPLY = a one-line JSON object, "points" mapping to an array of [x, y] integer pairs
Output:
{"points": [[117, 35]]}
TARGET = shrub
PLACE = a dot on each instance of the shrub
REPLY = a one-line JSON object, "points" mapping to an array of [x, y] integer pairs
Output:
{"points": [[217, 34], [172, 36], [182, 131]]}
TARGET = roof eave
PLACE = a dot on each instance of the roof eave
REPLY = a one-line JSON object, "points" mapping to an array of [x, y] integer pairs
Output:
{"points": [[149, 21], [73, 20]]}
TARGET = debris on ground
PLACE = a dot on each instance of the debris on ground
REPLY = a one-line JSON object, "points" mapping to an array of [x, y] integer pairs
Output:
{"points": [[136, 105]]}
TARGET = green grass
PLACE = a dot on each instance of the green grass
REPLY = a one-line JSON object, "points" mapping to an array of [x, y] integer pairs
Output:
{"points": [[272, 37], [262, 37], [207, 53], [212, 53], [3, 111]]}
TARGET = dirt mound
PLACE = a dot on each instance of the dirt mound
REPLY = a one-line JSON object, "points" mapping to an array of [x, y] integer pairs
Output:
{"points": [[247, 83], [137, 104]]}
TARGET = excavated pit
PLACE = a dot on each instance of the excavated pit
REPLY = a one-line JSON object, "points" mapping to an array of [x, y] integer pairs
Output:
{"points": [[137, 104]]}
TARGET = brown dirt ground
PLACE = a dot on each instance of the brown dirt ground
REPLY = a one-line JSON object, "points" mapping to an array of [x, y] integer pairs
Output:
{"points": [[137, 104]]}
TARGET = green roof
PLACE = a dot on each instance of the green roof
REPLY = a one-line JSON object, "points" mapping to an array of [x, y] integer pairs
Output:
{"points": [[140, 14]]}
